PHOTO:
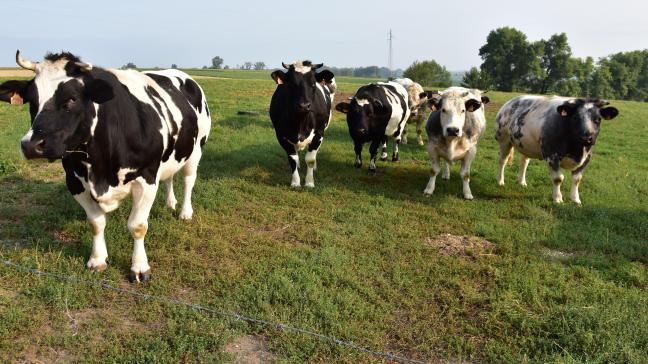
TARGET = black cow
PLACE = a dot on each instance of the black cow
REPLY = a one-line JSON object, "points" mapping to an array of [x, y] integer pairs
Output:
{"points": [[300, 111], [377, 111], [561, 131], [117, 133]]}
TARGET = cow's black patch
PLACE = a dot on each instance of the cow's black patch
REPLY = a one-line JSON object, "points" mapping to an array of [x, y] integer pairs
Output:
{"points": [[73, 168], [203, 141], [433, 125], [192, 92]]}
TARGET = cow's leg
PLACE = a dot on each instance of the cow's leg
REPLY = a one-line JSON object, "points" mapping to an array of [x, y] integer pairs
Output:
{"points": [[143, 198], [404, 135], [505, 150], [419, 130], [383, 154], [170, 196], [396, 147], [436, 168], [446, 170], [465, 172], [373, 152], [557, 179], [524, 163], [311, 160], [293, 161], [190, 170], [577, 176], [97, 219], [358, 152]]}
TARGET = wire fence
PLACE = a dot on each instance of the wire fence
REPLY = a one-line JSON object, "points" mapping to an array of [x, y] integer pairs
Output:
{"points": [[214, 311]]}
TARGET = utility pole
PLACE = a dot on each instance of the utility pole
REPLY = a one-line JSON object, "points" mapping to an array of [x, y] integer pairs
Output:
{"points": [[390, 60]]}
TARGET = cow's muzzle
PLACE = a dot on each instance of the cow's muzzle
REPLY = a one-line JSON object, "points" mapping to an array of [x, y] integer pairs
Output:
{"points": [[451, 131], [33, 149], [587, 140]]}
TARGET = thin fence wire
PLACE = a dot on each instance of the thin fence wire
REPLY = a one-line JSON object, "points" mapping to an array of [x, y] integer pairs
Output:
{"points": [[223, 313]]}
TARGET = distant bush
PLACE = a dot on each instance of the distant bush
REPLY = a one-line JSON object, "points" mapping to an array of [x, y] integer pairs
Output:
{"points": [[429, 73]]}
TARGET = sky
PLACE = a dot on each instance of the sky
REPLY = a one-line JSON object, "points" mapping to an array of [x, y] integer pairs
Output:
{"points": [[339, 33]]}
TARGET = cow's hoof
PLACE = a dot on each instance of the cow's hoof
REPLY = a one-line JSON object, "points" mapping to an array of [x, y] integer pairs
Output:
{"points": [[371, 171], [97, 265], [139, 277], [468, 197], [500, 183], [420, 142], [445, 176], [357, 165], [522, 183], [428, 192], [171, 204], [395, 158], [186, 214], [295, 185], [558, 200], [309, 185], [383, 157]]}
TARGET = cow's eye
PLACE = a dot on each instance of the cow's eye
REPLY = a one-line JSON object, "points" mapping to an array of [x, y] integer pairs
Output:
{"points": [[69, 104]]}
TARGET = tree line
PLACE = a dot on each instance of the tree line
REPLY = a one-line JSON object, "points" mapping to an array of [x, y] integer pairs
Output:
{"points": [[513, 63]]}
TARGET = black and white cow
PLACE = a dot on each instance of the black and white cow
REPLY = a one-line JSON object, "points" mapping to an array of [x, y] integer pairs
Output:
{"points": [[561, 131], [300, 111], [118, 133], [376, 111], [453, 131]]}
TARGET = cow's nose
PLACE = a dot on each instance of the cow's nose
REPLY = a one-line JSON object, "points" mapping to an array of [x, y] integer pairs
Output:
{"points": [[452, 131], [587, 139], [32, 149], [304, 106]]}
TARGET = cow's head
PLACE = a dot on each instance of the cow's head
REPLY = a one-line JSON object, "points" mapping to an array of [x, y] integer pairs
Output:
{"points": [[300, 82], [61, 99], [584, 117], [360, 112], [453, 106]]}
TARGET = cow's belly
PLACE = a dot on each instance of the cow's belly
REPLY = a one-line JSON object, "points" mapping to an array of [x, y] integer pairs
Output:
{"points": [[394, 126], [527, 142], [170, 167]]}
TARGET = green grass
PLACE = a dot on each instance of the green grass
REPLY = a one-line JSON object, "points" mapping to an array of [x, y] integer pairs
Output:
{"points": [[349, 258]]}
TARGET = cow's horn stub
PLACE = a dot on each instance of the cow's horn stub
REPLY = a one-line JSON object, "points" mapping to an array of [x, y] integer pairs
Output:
{"points": [[25, 63], [284, 65], [317, 66], [84, 66]]}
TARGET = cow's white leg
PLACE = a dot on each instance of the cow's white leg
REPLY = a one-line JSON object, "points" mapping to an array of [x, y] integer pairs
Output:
{"points": [[383, 154], [143, 198], [294, 164], [190, 173], [311, 160], [404, 135], [446, 170], [557, 178], [396, 150], [170, 196], [97, 219], [504, 155], [576, 180], [524, 163], [429, 189], [465, 172]]}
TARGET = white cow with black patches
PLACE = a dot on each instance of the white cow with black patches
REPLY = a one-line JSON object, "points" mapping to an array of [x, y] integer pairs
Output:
{"points": [[454, 131], [561, 131], [118, 133]]}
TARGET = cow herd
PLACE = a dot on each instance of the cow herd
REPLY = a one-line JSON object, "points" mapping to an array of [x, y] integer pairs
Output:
{"points": [[122, 132]]}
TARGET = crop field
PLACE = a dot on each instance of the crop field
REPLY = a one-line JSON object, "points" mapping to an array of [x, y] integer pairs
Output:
{"points": [[508, 277]]}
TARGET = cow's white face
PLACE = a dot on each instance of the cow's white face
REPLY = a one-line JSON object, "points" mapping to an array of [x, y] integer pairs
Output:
{"points": [[453, 107]]}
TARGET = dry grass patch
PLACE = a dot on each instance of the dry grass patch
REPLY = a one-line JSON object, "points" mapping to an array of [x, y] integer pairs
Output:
{"points": [[249, 349], [460, 246]]}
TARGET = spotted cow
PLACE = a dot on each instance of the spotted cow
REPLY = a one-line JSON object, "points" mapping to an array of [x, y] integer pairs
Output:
{"points": [[561, 131], [118, 133], [419, 102]]}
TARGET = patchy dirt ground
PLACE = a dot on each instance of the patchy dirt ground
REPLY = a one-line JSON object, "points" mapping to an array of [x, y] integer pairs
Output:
{"points": [[249, 350], [16, 73], [460, 246]]}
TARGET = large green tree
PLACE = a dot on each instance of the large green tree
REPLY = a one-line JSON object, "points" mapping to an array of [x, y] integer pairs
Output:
{"points": [[508, 58], [476, 79], [554, 61], [429, 73]]}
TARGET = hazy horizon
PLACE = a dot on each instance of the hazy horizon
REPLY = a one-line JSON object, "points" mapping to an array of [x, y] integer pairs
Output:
{"points": [[339, 34]]}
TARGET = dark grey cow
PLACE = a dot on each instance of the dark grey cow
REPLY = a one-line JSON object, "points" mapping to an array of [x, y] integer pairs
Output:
{"points": [[561, 131]]}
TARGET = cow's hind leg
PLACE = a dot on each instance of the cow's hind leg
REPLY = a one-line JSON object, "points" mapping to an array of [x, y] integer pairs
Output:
{"points": [[436, 168], [311, 161], [419, 130], [446, 170], [383, 154], [143, 198], [524, 163], [170, 196], [404, 135], [504, 154], [396, 147], [97, 221], [190, 174]]}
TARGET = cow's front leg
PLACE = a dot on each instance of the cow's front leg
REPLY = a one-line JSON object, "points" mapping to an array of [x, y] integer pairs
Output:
{"points": [[383, 154], [504, 155], [436, 168], [465, 172], [446, 170], [358, 154], [396, 147], [97, 220], [311, 161], [143, 198], [404, 135], [577, 176], [524, 163], [170, 196], [419, 130], [293, 161], [557, 179], [373, 152]]}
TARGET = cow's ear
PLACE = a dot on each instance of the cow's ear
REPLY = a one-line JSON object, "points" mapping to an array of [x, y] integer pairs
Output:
{"points": [[99, 91], [566, 109], [472, 105], [278, 76], [13, 92], [342, 107], [325, 76], [485, 100], [377, 104], [609, 113]]}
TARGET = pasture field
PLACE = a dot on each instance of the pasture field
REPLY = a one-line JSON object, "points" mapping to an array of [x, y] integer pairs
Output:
{"points": [[362, 258]]}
